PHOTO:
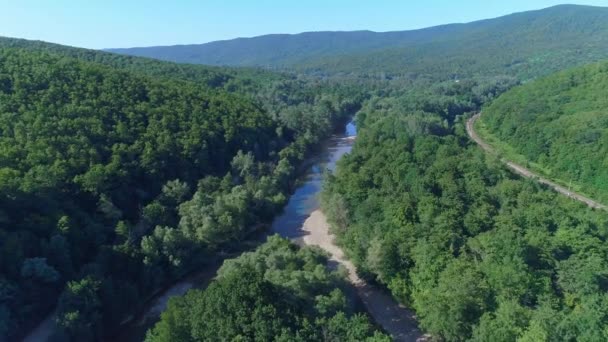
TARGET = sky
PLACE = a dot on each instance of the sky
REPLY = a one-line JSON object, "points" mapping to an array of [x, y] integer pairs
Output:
{"points": [[100, 24]]}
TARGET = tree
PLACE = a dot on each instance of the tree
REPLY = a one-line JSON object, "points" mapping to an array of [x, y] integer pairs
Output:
{"points": [[38, 270], [175, 322], [59, 255], [78, 310], [508, 323], [175, 192], [276, 293], [456, 303], [108, 208], [98, 149]]}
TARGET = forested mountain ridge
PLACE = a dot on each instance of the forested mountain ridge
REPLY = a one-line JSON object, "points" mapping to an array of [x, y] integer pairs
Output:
{"points": [[526, 44], [213, 77], [560, 125], [117, 177], [120, 174]]}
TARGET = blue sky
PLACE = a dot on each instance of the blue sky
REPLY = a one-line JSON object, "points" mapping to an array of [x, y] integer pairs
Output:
{"points": [[128, 23]]}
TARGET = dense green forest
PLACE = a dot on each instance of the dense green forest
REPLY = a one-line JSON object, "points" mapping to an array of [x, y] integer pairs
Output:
{"points": [[242, 80], [477, 252], [525, 44], [120, 175], [277, 293], [560, 125], [116, 178]]}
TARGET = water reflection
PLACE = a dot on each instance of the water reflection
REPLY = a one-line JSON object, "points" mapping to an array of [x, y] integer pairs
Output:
{"points": [[305, 199]]}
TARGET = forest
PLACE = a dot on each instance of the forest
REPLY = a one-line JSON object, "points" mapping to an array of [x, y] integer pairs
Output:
{"points": [[279, 292], [120, 175], [559, 126], [524, 44], [477, 252], [113, 182]]}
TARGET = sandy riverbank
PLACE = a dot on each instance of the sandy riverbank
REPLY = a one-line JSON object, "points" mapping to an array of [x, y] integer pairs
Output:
{"points": [[394, 318]]}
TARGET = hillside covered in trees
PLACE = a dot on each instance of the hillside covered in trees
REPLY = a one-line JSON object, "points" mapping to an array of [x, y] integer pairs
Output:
{"points": [[120, 174], [116, 178], [477, 252], [525, 44], [242, 79], [560, 125]]}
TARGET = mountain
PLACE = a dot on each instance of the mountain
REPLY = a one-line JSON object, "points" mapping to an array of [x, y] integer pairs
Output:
{"points": [[560, 125], [211, 76], [525, 44]]}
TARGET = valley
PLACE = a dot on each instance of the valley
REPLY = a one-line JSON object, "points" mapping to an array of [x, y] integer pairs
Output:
{"points": [[320, 186]]}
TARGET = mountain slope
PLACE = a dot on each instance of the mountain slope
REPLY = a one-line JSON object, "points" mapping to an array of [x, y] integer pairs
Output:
{"points": [[526, 44], [560, 124], [83, 149], [211, 76], [99, 161]]}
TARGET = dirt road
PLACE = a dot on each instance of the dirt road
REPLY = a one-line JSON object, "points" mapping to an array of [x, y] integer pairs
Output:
{"points": [[394, 318], [527, 173]]}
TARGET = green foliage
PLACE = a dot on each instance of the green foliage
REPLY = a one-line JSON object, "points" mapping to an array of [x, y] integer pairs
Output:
{"points": [[120, 174], [506, 324], [78, 311], [39, 270], [456, 303], [478, 253], [232, 80], [100, 158], [527, 44], [559, 124], [276, 293]]}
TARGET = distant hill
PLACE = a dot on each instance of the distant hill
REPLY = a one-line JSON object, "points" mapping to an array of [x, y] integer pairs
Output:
{"points": [[560, 124], [211, 76], [525, 44]]}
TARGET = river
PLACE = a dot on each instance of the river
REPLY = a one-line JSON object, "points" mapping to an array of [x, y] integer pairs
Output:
{"points": [[304, 201], [289, 224]]}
